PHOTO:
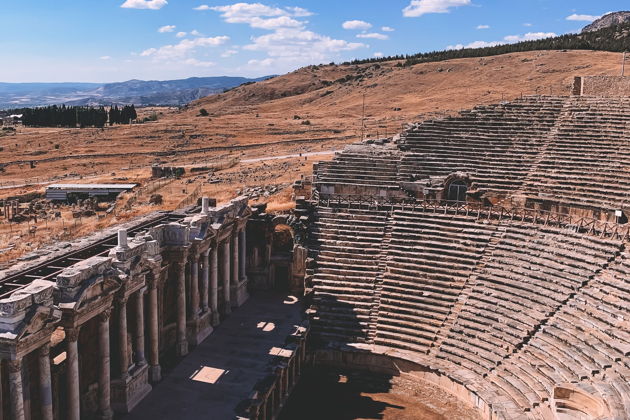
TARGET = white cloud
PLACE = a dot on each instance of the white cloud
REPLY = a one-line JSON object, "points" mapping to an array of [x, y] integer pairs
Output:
{"points": [[300, 47], [528, 25], [267, 62], [195, 32], [582, 18], [483, 26], [379, 55], [181, 34], [260, 16], [356, 25], [530, 36], [387, 29], [475, 44], [202, 7], [144, 4], [374, 35], [229, 53], [183, 48], [105, 57], [289, 43], [198, 63], [166, 28], [422, 7]]}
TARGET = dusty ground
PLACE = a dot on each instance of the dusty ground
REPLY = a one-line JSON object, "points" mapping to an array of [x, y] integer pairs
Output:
{"points": [[314, 109], [324, 394]]}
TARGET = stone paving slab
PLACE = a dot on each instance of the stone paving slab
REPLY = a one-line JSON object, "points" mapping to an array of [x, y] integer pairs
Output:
{"points": [[222, 371]]}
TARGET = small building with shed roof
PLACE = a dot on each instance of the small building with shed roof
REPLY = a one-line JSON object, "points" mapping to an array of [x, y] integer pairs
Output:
{"points": [[73, 192]]}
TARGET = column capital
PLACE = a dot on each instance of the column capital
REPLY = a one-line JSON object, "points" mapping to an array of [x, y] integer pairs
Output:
{"points": [[194, 257], [152, 281], [15, 366], [72, 334], [122, 300], [44, 350], [105, 315]]}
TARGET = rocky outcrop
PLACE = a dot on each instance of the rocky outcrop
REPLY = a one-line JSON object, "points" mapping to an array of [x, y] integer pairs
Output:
{"points": [[610, 19]]}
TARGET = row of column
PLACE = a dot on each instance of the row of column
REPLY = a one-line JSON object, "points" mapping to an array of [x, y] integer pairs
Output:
{"points": [[204, 294], [16, 392], [287, 376], [104, 377]]}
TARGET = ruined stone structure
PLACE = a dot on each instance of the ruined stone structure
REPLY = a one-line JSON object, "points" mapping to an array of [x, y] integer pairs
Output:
{"points": [[148, 298], [485, 253]]}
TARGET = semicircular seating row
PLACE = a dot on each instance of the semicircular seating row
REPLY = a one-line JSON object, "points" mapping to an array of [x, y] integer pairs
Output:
{"points": [[574, 149], [509, 309]]}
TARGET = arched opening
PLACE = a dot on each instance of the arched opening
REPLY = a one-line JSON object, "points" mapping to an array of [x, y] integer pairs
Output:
{"points": [[457, 191], [282, 256]]}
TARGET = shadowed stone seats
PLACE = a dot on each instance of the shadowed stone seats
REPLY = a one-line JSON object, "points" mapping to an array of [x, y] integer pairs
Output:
{"points": [[348, 248], [510, 310]]}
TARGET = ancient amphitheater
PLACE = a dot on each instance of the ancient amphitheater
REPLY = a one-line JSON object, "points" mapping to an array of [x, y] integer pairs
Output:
{"points": [[484, 254]]}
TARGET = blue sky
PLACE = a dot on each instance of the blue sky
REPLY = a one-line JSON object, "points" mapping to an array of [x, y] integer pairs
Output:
{"points": [[116, 40]]}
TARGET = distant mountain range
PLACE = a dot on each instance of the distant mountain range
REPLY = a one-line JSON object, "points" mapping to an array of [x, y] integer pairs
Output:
{"points": [[137, 92]]}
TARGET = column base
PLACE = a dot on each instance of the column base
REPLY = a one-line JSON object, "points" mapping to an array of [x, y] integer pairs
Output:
{"points": [[155, 373], [192, 328], [109, 415], [228, 309], [182, 348], [204, 328], [128, 392], [216, 319], [240, 293]]}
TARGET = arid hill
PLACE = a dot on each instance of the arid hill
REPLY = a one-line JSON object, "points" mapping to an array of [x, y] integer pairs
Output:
{"points": [[312, 110]]}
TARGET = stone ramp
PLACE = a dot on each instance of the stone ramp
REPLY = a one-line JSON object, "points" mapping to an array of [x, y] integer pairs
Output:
{"points": [[222, 371]]}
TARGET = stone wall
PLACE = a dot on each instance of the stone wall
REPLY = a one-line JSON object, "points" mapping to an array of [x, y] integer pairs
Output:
{"points": [[603, 86]]}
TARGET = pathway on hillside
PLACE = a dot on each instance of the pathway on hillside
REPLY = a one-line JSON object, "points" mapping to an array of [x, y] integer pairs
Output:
{"points": [[222, 371], [262, 159]]}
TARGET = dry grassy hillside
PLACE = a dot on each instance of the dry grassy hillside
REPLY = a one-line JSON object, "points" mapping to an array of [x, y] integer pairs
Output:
{"points": [[315, 109]]}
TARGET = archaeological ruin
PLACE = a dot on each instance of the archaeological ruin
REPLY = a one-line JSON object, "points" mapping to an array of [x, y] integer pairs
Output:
{"points": [[483, 254]]}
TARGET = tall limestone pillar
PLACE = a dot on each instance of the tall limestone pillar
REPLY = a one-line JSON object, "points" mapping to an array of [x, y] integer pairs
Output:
{"points": [[104, 376], [72, 375], [155, 371], [182, 341], [226, 276], [15, 389], [214, 284]]}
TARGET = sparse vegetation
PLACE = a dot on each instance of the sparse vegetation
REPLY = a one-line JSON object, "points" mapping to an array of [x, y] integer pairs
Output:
{"points": [[72, 116], [612, 39], [203, 112]]}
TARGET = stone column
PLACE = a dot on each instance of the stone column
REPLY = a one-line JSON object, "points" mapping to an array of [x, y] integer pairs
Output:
{"points": [[214, 284], [194, 286], [140, 358], [122, 338], [205, 281], [243, 255], [15, 389], [104, 377], [45, 387], [226, 276], [182, 342], [155, 372], [235, 278], [72, 374]]}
